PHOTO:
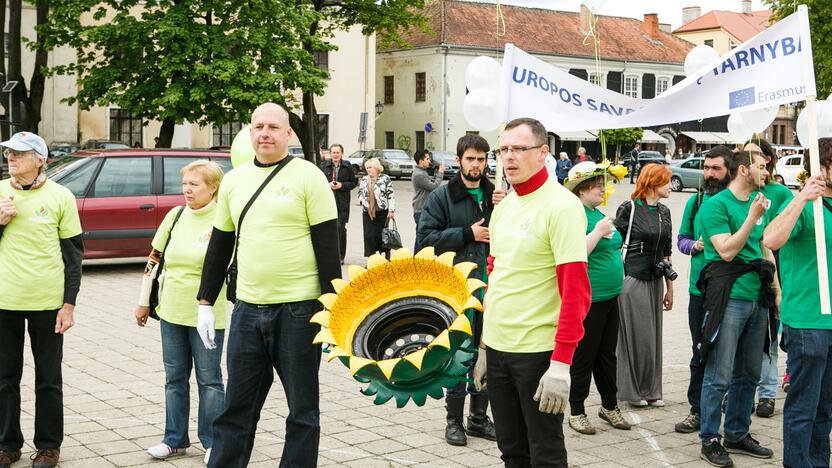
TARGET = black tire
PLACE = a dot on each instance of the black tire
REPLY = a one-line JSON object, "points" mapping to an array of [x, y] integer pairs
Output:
{"points": [[676, 184], [779, 179]]}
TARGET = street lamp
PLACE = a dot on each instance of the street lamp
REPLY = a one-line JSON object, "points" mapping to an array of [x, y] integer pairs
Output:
{"points": [[379, 107], [8, 89]]}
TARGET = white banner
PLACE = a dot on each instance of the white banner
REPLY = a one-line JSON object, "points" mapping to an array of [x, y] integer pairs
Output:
{"points": [[774, 67]]}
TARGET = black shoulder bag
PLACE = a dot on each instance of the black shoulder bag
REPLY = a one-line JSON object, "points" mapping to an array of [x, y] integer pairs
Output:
{"points": [[231, 276], [154, 288]]}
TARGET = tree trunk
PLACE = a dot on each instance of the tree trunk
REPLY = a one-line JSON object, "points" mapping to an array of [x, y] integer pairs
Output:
{"points": [[4, 129], [311, 152], [166, 133], [14, 73], [34, 102]]}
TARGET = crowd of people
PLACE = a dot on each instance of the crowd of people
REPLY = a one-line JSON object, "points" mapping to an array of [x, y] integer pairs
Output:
{"points": [[573, 294]]}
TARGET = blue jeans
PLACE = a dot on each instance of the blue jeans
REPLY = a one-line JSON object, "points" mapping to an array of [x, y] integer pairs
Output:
{"points": [[182, 349], [263, 339], [808, 408], [769, 378], [735, 360]]}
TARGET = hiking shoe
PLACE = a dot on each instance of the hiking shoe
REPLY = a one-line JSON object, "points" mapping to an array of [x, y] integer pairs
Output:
{"points": [[750, 447], [689, 424], [765, 407], [46, 458], [614, 417], [657, 403], [7, 457], [638, 403], [481, 427], [580, 423], [164, 451], [714, 453]]}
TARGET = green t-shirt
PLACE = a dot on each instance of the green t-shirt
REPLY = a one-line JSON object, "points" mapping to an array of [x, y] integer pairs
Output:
{"points": [[724, 214], [697, 259], [276, 261], [606, 270], [183, 266], [779, 195], [530, 236], [30, 249], [800, 307]]}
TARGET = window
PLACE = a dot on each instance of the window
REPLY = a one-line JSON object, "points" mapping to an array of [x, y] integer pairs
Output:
{"points": [[596, 79], [321, 58], [78, 180], [661, 85], [631, 86], [798, 161], [388, 90], [420, 87], [732, 44], [775, 134], [692, 164], [389, 140], [782, 139], [420, 141], [125, 127], [709, 42], [225, 164], [173, 178], [122, 177], [223, 135], [472, 132]]}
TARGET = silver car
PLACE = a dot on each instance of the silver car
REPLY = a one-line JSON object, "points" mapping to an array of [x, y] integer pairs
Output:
{"points": [[687, 173], [396, 162]]}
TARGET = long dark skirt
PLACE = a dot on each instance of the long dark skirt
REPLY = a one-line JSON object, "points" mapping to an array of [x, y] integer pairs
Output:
{"points": [[372, 232], [640, 340]]}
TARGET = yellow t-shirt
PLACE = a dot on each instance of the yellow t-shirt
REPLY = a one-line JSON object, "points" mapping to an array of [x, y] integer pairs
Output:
{"points": [[30, 249], [530, 236], [276, 262], [183, 266]]}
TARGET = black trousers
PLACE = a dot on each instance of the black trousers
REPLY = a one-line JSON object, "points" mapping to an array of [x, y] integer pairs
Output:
{"points": [[696, 316], [47, 350], [342, 238], [525, 436], [595, 356]]}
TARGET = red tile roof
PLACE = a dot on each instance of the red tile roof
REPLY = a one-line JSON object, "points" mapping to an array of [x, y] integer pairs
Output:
{"points": [[742, 26], [460, 23]]}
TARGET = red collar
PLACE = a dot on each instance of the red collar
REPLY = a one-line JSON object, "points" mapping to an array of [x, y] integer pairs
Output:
{"points": [[533, 183]]}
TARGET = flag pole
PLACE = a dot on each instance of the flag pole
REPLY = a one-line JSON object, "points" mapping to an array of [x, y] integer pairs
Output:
{"points": [[817, 208]]}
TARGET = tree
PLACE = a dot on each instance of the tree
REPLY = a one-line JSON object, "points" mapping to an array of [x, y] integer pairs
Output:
{"points": [[210, 61], [820, 12], [26, 98], [622, 136]]}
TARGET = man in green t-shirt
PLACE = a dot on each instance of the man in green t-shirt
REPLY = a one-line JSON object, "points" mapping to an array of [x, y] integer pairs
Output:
{"points": [[807, 333], [286, 258], [736, 318], [689, 242], [40, 260]]}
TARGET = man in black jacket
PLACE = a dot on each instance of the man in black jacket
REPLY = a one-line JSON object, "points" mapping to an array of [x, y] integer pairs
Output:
{"points": [[341, 180], [455, 219]]}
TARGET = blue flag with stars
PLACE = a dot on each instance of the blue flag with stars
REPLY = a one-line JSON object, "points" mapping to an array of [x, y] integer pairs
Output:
{"points": [[740, 98]]}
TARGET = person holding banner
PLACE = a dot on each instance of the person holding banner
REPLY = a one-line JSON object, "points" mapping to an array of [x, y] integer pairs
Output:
{"points": [[538, 295], [645, 225], [807, 332]]}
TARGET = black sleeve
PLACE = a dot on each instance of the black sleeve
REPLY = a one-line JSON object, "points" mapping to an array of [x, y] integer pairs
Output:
{"points": [[434, 229], [2, 226], [214, 268], [622, 218], [350, 182], [325, 245], [72, 252]]}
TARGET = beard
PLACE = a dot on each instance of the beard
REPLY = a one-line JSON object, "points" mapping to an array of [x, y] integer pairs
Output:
{"points": [[712, 185], [471, 178]]}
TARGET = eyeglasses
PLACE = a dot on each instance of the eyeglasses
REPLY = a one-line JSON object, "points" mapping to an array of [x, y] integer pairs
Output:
{"points": [[10, 153], [505, 150]]}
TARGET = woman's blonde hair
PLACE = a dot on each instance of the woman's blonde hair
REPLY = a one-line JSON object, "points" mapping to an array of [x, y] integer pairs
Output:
{"points": [[210, 171], [374, 162]]}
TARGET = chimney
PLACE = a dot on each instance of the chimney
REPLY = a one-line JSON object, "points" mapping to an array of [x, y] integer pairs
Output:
{"points": [[690, 13], [665, 27], [746, 6], [586, 20], [650, 27]]}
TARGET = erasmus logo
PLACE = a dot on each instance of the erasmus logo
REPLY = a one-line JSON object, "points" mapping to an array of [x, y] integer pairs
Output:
{"points": [[741, 98]]}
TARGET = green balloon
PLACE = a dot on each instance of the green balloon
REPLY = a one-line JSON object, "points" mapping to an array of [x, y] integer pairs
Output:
{"points": [[241, 149]]}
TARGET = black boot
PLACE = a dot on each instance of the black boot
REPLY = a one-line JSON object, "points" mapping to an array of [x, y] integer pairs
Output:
{"points": [[479, 424], [454, 432]]}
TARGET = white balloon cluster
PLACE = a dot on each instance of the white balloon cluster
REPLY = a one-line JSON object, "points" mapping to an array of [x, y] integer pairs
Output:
{"points": [[480, 108], [743, 125], [698, 58], [594, 5], [823, 117]]}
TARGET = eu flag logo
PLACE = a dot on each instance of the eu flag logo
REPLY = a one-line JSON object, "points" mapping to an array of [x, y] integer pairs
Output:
{"points": [[740, 98]]}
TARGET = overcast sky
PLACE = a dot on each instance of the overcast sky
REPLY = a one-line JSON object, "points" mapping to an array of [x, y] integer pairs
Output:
{"points": [[670, 11]]}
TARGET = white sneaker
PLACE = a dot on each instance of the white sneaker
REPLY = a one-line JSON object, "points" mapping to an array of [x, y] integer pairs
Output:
{"points": [[638, 403], [656, 403], [207, 456], [163, 451]]}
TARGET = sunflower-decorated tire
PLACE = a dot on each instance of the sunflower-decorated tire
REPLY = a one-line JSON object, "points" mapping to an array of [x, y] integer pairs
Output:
{"points": [[400, 325]]}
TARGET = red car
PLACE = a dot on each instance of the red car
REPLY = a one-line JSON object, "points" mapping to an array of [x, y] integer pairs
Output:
{"points": [[124, 194]]}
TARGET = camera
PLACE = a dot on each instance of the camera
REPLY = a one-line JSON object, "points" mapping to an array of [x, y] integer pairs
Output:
{"points": [[664, 268]]}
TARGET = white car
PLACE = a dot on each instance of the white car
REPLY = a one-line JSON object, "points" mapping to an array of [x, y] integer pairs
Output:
{"points": [[787, 168]]}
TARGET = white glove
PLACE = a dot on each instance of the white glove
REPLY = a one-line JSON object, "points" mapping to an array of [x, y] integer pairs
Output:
{"points": [[479, 371], [205, 325], [553, 390]]}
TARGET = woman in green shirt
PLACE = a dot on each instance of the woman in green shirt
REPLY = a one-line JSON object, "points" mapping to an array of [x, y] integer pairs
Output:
{"points": [[183, 239], [595, 354]]}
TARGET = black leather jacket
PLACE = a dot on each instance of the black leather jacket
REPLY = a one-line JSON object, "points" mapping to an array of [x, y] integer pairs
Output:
{"points": [[650, 239]]}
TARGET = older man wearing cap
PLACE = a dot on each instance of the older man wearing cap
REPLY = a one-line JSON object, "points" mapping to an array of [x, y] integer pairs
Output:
{"points": [[40, 257]]}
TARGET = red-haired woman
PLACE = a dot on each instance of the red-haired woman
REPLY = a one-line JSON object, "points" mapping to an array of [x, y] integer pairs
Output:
{"points": [[645, 225]]}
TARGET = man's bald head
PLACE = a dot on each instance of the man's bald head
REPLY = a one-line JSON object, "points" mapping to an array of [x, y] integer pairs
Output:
{"points": [[271, 109], [270, 132]]}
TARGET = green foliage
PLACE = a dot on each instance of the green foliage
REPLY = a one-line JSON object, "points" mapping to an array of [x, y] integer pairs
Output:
{"points": [[820, 25], [623, 136]]}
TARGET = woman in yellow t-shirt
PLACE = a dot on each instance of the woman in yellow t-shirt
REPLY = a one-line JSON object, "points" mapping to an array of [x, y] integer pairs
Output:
{"points": [[183, 239]]}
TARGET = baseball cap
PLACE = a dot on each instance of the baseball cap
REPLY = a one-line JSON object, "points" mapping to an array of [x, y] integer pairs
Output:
{"points": [[27, 141]]}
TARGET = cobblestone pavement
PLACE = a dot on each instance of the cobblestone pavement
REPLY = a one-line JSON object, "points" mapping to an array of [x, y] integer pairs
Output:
{"points": [[114, 392]]}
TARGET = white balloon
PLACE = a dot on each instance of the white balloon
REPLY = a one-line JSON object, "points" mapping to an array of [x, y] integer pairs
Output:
{"points": [[758, 120], [594, 5], [480, 110], [823, 117], [698, 58], [483, 72], [738, 127]]}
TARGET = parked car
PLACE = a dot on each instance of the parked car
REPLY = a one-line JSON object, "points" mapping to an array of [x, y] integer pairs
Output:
{"points": [[687, 173], [396, 162], [787, 168], [491, 160], [123, 195], [296, 151], [104, 144], [644, 158], [60, 148], [449, 159]]}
